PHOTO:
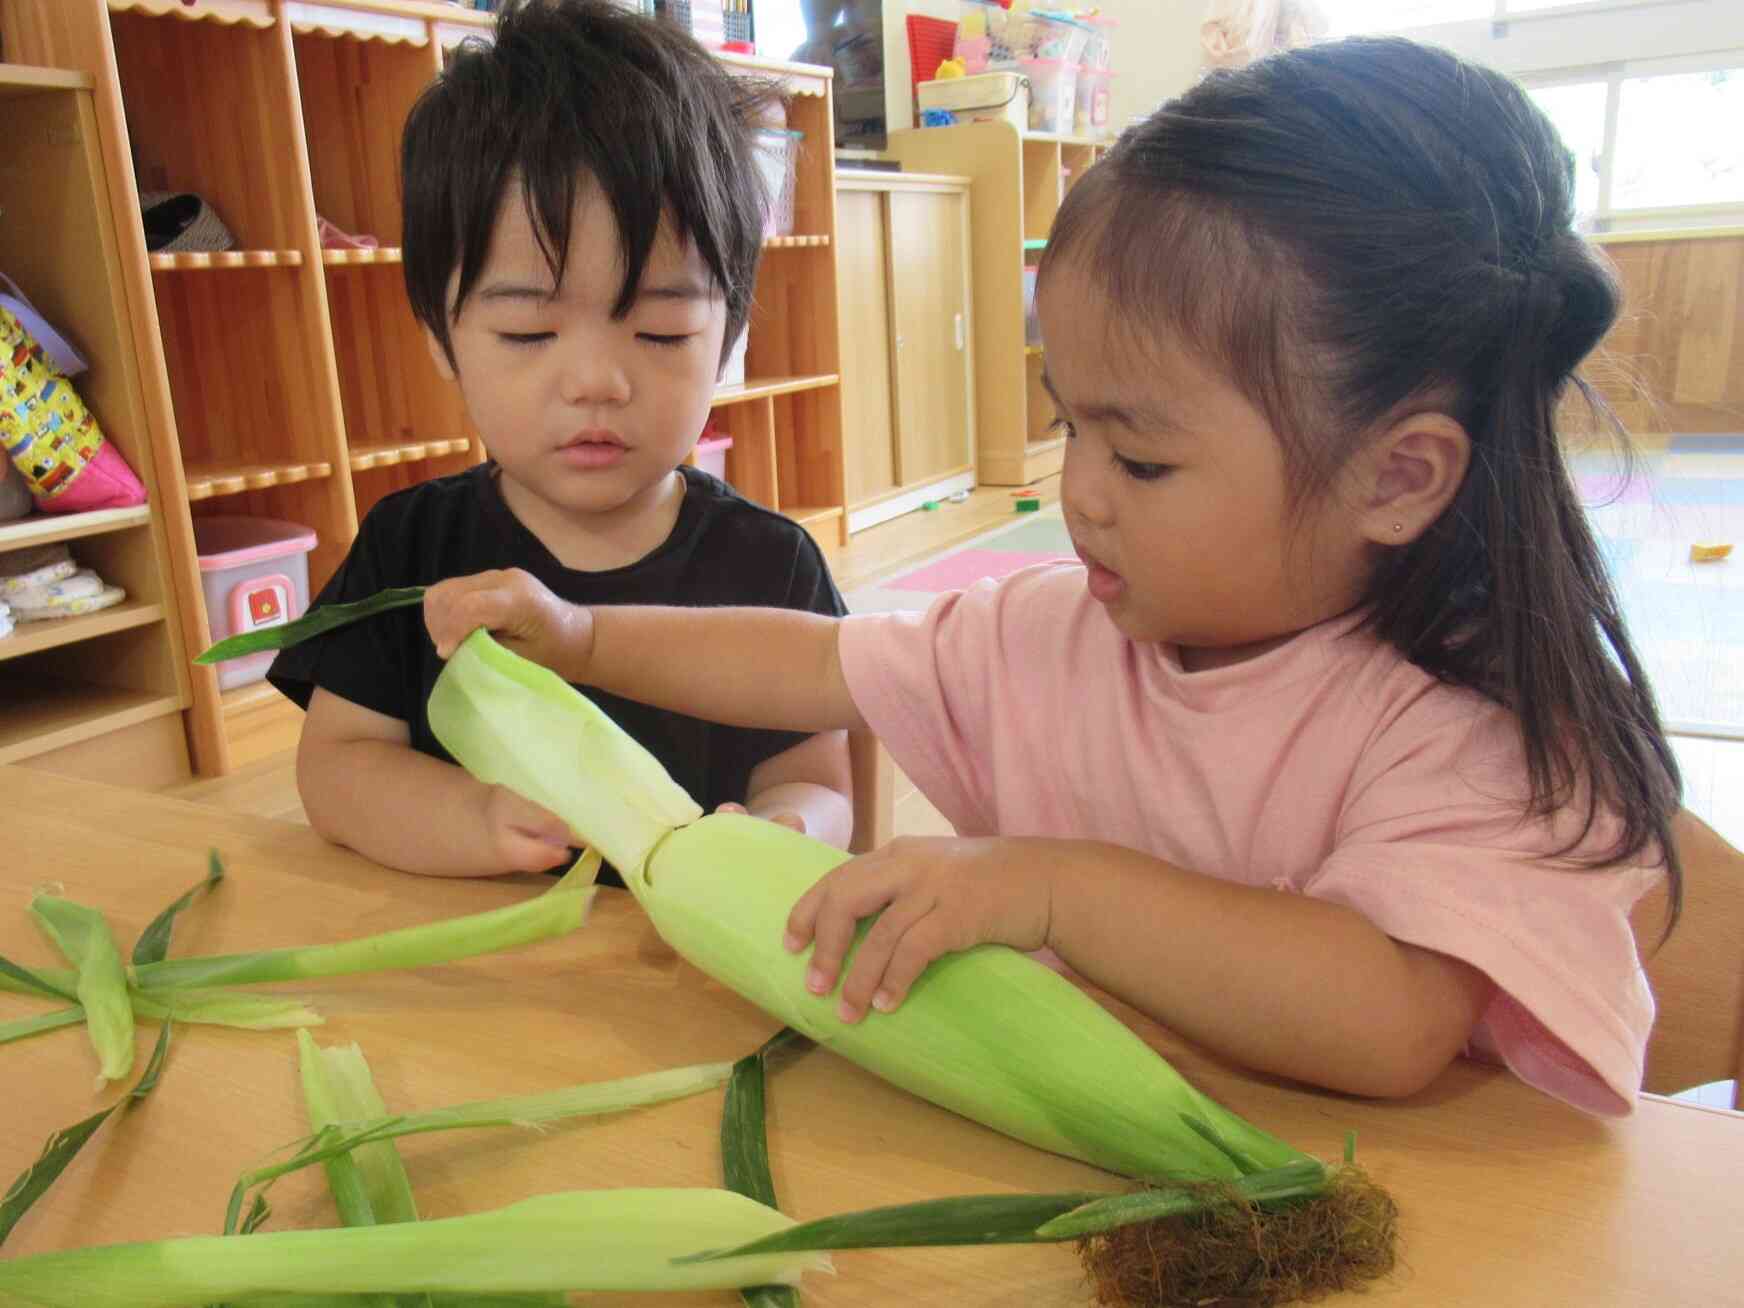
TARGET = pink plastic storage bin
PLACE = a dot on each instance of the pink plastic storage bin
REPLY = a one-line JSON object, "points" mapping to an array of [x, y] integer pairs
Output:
{"points": [[1053, 84], [255, 572], [711, 454]]}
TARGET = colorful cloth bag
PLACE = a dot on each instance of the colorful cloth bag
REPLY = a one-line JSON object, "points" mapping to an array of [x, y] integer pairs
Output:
{"points": [[47, 431]]}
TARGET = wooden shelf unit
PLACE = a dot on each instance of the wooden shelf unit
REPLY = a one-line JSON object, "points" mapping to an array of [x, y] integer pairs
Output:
{"points": [[97, 695], [289, 381], [1019, 180]]}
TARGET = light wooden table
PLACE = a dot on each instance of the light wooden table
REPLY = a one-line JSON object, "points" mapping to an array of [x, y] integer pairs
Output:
{"points": [[1507, 1198]]}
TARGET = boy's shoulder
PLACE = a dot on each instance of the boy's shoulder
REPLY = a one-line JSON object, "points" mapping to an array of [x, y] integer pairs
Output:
{"points": [[729, 519], [428, 503]]}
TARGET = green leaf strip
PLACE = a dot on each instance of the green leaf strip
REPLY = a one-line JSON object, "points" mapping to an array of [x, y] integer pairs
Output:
{"points": [[65, 1144], [315, 622], [23, 981], [153, 944], [25, 1027]]}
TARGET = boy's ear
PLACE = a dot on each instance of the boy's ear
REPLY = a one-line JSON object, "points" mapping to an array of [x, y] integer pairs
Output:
{"points": [[439, 356], [1414, 471]]}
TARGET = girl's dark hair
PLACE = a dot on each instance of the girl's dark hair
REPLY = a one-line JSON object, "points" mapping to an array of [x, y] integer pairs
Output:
{"points": [[1361, 228], [572, 93]]}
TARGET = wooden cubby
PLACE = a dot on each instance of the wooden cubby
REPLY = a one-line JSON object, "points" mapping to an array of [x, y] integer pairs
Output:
{"points": [[1018, 181], [285, 380], [101, 694]]}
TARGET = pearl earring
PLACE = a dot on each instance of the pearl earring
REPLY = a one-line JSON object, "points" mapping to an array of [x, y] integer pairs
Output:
{"points": [[1398, 527]]}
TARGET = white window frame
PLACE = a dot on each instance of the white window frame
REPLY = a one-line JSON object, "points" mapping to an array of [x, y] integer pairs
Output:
{"points": [[1606, 216]]}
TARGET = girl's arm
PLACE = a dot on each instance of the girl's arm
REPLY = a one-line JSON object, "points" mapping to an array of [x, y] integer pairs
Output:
{"points": [[745, 667], [1276, 981]]}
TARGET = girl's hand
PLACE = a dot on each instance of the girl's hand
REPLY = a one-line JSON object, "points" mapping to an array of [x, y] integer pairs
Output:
{"points": [[519, 611], [937, 895], [792, 821], [523, 836]]}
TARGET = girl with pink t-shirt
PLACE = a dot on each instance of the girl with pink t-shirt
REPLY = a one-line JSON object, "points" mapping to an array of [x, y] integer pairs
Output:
{"points": [[1332, 752]]}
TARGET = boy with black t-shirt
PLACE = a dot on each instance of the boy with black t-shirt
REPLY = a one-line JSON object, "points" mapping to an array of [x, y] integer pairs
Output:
{"points": [[583, 220]]}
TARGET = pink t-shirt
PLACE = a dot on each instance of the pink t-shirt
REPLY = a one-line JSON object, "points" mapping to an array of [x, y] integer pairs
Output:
{"points": [[1329, 767]]}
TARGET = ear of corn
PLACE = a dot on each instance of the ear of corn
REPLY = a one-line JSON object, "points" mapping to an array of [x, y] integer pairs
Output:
{"points": [[988, 1033], [83, 935], [598, 1240]]}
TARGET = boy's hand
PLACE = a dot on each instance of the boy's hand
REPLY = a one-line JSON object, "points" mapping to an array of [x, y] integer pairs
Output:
{"points": [[524, 836], [519, 611], [937, 895], [792, 821]]}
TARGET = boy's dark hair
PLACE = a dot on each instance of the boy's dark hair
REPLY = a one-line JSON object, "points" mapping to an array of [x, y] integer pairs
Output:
{"points": [[1364, 227], [572, 94]]}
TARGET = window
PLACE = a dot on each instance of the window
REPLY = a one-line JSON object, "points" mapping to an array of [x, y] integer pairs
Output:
{"points": [[1652, 143], [1648, 95]]}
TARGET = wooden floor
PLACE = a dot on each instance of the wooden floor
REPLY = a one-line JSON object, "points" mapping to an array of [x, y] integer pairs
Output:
{"points": [[268, 788]]}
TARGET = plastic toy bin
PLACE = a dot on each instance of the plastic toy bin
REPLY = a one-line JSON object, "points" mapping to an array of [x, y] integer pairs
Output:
{"points": [[255, 573]]}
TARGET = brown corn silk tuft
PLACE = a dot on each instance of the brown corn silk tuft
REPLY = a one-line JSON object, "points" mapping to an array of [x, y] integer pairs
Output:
{"points": [[1251, 1255]]}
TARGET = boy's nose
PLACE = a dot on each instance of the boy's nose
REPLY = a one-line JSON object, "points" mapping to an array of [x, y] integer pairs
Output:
{"points": [[593, 376]]}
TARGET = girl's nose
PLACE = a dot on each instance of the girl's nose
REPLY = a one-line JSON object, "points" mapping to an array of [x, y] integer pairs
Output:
{"points": [[592, 375], [1082, 497]]}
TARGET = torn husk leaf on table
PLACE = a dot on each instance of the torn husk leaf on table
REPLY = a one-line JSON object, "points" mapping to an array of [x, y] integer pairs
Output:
{"points": [[592, 1240], [83, 935]]}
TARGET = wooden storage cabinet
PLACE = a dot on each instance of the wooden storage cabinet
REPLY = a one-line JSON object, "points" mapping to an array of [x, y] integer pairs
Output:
{"points": [[1018, 180], [288, 381], [908, 399], [100, 695]]}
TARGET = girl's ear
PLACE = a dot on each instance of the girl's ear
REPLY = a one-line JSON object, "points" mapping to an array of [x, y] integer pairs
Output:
{"points": [[1413, 472], [439, 356]]}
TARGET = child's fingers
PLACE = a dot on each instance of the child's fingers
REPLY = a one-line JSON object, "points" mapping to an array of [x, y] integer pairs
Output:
{"points": [[845, 902], [894, 952]]}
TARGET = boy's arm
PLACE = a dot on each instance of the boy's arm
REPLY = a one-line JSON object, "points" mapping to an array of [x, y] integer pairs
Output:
{"points": [[812, 781], [744, 667], [365, 787]]}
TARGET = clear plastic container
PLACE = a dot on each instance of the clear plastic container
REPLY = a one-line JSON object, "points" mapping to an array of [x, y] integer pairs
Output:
{"points": [[988, 37], [255, 573], [1099, 49], [1090, 104], [777, 150], [1052, 85], [1055, 36]]}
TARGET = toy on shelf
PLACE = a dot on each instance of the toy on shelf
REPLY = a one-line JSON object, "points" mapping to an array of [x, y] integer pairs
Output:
{"points": [[49, 434]]}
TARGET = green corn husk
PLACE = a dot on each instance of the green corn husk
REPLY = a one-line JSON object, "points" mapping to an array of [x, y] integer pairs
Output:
{"points": [[322, 618], [745, 1150], [24, 1027], [83, 935], [355, 1197], [599, 1240], [204, 1006], [586, 1100], [513, 723], [988, 1032], [63, 1146], [153, 945], [557, 911]]}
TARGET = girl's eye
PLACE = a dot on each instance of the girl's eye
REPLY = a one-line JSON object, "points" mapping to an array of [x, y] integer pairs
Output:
{"points": [[524, 338], [1062, 425], [1140, 471], [654, 339]]}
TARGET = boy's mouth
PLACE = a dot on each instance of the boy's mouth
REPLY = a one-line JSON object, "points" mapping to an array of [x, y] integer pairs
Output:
{"points": [[593, 449]]}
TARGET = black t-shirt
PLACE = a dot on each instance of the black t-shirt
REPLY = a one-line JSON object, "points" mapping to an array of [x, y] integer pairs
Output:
{"points": [[723, 550]]}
